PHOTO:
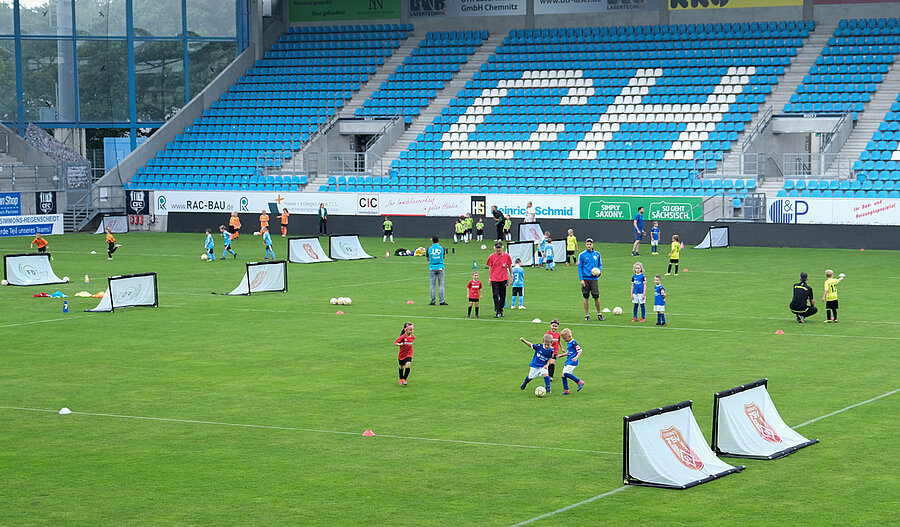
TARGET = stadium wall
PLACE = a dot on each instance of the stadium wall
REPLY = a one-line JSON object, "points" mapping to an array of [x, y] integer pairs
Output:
{"points": [[606, 231]]}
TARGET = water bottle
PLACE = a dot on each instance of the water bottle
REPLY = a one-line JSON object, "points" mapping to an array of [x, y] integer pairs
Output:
{"points": [[474, 265], [86, 279], [65, 306]]}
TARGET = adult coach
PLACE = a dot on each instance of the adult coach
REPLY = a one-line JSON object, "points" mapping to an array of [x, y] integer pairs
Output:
{"points": [[803, 293], [499, 220], [587, 261], [500, 264], [436, 269], [530, 213], [323, 219], [639, 233]]}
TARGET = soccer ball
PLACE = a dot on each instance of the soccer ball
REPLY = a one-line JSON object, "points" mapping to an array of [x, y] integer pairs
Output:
{"points": [[606, 310], [540, 391], [347, 301], [483, 247], [342, 300], [204, 257], [65, 279], [4, 282], [93, 252], [617, 310], [256, 233], [595, 271], [334, 301]]}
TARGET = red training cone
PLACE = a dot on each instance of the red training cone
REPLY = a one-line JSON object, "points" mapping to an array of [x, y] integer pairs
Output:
{"points": [[339, 313], [862, 249], [685, 270], [387, 254], [779, 332], [410, 302], [368, 433]]}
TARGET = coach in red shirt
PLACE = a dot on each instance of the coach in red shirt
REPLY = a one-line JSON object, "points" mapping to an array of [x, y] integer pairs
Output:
{"points": [[500, 264]]}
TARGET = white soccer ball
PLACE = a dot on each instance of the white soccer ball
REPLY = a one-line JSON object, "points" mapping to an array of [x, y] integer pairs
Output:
{"points": [[341, 300], [347, 301], [595, 271], [334, 301], [65, 279], [842, 275], [606, 310], [93, 252], [540, 391], [617, 310], [483, 247], [204, 257], [256, 233], [4, 282]]}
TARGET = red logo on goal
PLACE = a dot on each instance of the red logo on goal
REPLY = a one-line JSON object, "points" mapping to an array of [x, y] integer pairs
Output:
{"points": [[258, 280], [673, 437], [759, 422], [309, 250]]}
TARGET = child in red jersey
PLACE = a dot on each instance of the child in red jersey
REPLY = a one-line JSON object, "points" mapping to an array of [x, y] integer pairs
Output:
{"points": [[474, 288], [554, 334], [404, 341]]}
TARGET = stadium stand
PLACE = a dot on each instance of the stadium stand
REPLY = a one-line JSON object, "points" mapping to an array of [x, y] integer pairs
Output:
{"points": [[277, 105], [422, 74], [612, 110], [849, 69]]}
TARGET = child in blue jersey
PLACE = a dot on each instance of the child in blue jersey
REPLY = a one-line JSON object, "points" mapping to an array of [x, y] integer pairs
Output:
{"points": [[548, 254], [538, 366], [518, 285], [654, 238], [210, 246], [542, 247], [572, 354], [638, 286], [659, 301], [267, 239], [227, 237]]}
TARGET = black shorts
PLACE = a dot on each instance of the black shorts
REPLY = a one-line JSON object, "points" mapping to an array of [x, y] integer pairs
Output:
{"points": [[831, 304], [474, 300], [42, 249], [231, 229], [480, 232], [673, 260], [404, 361], [518, 291], [590, 288], [570, 253], [227, 247], [389, 233]]}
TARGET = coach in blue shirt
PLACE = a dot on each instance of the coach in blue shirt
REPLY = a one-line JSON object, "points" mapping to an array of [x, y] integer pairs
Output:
{"points": [[638, 231], [436, 269], [587, 261]]}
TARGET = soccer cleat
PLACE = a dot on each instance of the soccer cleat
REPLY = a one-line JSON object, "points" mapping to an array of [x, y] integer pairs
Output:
{"points": [[600, 317], [110, 258], [521, 307], [496, 315], [634, 319], [676, 274], [800, 319], [580, 386], [432, 303], [522, 387], [468, 316], [444, 303], [400, 382], [828, 321], [643, 320], [565, 392], [663, 324], [587, 318], [118, 245]]}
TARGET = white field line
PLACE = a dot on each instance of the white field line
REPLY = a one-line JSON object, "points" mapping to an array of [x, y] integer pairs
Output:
{"points": [[314, 430], [34, 322], [620, 489]]}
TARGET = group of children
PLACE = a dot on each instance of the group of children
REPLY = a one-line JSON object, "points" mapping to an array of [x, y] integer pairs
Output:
{"points": [[543, 362], [467, 229], [638, 295], [233, 231]]}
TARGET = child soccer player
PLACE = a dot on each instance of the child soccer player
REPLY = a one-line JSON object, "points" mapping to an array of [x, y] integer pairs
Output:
{"points": [[479, 229], [458, 230], [572, 354], [234, 224], [554, 343], [267, 239], [227, 237], [659, 301], [111, 244], [388, 226], [638, 286], [571, 247], [404, 341], [673, 254], [40, 242], [654, 238], [468, 222], [829, 297], [507, 225], [548, 254], [263, 221], [284, 222], [538, 366], [210, 246], [474, 289], [518, 285]]}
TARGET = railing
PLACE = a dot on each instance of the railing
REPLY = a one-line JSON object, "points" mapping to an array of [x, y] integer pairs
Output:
{"points": [[760, 126], [99, 198], [809, 165], [720, 207], [30, 177], [839, 133], [4, 142]]}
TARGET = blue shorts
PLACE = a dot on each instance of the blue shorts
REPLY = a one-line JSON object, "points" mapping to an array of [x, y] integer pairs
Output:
{"points": [[638, 235]]}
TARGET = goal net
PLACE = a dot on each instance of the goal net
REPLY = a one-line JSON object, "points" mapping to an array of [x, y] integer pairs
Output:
{"points": [[664, 447], [29, 269], [117, 224], [262, 277], [716, 237], [523, 250], [559, 252], [346, 247], [531, 231], [131, 290], [306, 250], [747, 424]]}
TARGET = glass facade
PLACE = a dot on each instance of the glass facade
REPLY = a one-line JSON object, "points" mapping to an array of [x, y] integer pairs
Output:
{"points": [[112, 63]]}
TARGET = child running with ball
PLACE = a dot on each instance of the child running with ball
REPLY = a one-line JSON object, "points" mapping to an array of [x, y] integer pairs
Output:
{"points": [[538, 366], [404, 341]]}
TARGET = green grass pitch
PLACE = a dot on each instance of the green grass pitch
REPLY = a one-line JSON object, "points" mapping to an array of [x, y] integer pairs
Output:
{"points": [[461, 445]]}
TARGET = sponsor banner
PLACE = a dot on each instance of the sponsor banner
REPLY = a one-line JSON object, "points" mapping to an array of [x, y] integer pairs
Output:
{"points": [[320, 10], [422, 8], [29, 269], [31, 225], [656, 208], [552, 7], [424, 204], [45, 202], [78, 176], [10, 204], [545, 206], [836, 211], [677, 5], [137, 202]]}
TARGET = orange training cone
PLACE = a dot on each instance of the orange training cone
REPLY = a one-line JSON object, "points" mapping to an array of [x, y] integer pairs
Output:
{"points": [[387, 254], [779, 332], [410, 302], [368, 433], [339, 313]]}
